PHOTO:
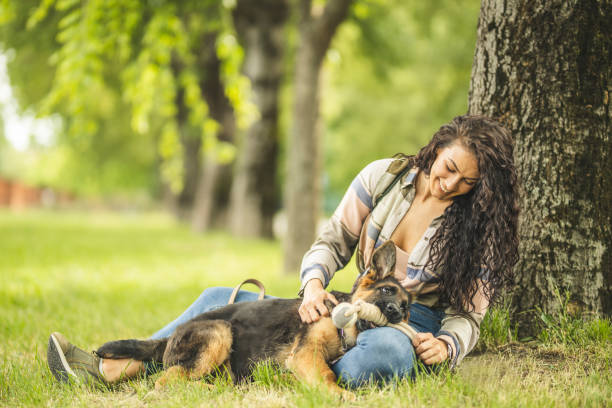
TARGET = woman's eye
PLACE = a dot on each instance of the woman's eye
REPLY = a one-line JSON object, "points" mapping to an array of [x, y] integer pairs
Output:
{"points": [[449, 169]]}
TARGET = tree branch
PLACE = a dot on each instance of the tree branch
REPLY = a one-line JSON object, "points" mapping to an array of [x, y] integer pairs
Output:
{"points": [[321, 28]]}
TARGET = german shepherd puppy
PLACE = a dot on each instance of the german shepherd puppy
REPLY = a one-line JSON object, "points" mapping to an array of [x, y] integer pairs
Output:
{"points": [[237, 336]]}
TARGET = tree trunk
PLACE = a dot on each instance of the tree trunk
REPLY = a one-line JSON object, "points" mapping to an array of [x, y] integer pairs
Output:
{"points": [[181, 203], [254, 194], [544, 68], [212, 192], [303, 158], [191, 171]]}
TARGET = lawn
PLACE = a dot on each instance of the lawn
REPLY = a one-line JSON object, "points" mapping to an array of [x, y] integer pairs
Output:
{"points": [[97, 277]]}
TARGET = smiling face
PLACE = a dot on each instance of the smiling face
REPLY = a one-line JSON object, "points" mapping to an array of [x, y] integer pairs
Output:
{"points": [[453, 173]]}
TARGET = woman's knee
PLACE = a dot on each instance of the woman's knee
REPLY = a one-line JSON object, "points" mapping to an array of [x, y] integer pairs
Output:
{"points": [[387, 344], [209, 299], [216, 293], [216, 297], [380, 354]]}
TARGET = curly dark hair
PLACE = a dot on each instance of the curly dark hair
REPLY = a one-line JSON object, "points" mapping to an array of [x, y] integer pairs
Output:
{"points": [[478, 238]]}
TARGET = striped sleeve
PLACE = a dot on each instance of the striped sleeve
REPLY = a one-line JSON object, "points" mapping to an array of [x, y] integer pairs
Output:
{"points": [[334, 246], [462, 332]]}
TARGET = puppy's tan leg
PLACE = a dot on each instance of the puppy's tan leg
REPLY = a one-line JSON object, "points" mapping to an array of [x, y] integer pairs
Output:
{"points": [[215, 352], [199, 347], [309, 365], [309, 359]]}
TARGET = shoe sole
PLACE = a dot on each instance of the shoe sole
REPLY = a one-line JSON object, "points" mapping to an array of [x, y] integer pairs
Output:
{"points": [[57, 362]]}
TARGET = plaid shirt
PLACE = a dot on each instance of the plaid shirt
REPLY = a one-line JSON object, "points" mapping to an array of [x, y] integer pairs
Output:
{"points": [[359, 224]]}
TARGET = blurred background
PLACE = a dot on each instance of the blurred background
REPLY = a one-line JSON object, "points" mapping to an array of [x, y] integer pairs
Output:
{"points": [[251, 117]]}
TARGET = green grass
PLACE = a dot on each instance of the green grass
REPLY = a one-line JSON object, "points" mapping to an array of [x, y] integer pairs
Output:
{"points": [[97, 277], [566, 328]]}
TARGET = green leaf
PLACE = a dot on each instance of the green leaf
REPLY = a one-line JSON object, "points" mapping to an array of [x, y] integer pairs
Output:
{"points": [[7, 11], [70, 19], [39, 14], [64, 5]]}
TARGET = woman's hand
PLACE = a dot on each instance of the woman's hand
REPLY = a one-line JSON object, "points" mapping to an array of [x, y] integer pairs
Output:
{"points": [[313, 304], [429, 349]]}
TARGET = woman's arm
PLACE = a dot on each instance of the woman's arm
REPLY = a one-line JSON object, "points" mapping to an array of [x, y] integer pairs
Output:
{"points": [[334, 247], [462, 332]]}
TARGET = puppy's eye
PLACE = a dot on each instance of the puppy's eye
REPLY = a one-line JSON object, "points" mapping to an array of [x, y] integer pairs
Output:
{"points": [[388, 290]]}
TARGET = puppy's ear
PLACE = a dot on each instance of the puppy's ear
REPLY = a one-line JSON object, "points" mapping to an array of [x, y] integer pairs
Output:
{"points": [[383, 261]]}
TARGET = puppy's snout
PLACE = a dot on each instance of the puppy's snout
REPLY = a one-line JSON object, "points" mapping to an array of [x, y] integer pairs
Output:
{"points": [[393, 313]]}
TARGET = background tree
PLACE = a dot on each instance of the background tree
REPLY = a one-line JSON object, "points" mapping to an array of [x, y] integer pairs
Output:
{"points": [[545, 69], [153, 58], [80, 162], [316, 27], [254, 197], [215, 177], [394, 72]]}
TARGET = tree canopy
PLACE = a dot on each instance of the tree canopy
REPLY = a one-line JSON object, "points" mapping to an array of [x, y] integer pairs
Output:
{"points": [[114, 71]]}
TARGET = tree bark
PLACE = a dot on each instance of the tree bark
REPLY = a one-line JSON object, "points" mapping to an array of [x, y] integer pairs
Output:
{"points": [[544, 68], [215, 179], [316, 30], [254, 194]]}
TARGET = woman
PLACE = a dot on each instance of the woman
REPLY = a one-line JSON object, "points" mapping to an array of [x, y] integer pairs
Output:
{"points": [[451, 211]]}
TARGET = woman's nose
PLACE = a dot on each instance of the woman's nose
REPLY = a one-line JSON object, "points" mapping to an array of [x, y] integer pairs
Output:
{"points": [[452, 182]]}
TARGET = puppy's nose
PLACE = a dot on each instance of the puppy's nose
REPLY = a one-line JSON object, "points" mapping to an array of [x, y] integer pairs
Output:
{"points": [[393, 313]]}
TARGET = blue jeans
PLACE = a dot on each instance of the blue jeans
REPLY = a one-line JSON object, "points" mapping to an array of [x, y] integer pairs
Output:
{"points": [[381, 354]]}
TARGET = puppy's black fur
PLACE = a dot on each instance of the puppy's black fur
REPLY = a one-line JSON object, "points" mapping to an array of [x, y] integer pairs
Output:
{"points": [[238, 336]]}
